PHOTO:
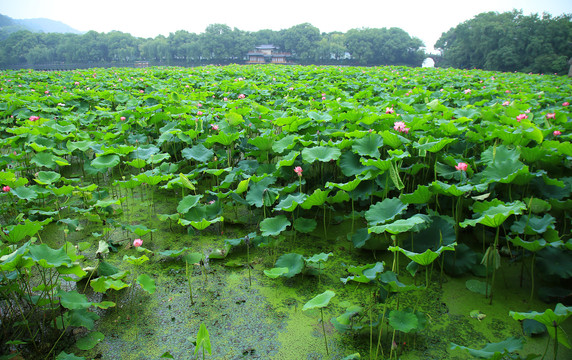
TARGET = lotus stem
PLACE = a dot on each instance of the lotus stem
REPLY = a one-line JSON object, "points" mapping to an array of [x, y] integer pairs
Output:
{"points": [[189, 280], [532, 276], [381, 332], [555, 339], [324, 330], [494, 264]]}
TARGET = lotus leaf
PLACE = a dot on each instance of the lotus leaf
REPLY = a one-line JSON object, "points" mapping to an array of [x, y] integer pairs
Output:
{"points": [[494, 351], [293, 262], [403, 321], [385, 211], [320, 301], [320, 153], [304, 225], [89, 341]]}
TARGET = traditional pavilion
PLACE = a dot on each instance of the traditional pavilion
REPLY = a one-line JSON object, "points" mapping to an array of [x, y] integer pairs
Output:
{"points": [[267, 54]]}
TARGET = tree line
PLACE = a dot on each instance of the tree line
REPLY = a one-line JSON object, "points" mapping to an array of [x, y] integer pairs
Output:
{"points": [[509, 41], [217, 44]]}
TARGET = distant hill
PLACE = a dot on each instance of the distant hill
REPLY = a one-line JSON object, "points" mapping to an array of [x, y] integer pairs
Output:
{"points": [[9, 25]]}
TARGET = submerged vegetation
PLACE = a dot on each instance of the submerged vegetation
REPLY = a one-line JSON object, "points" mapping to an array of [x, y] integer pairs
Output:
{"points": [[141, 207]]}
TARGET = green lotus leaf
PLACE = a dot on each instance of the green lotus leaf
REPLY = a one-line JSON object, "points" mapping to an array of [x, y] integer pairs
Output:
{"points": [[433, 146], [500, 153], [382, 165], [319, 301], [532, 327], [274, 225], [317, 198], [146, 283], [73, 300], [187, 203], [16, 233], [287, 142], [531, 225], [48, 160], [47, 177], [365, 273], [304, 225], [105, 161], [321, 257], [391, 139], [290, 202], [441, 231], [504, 171], [289, 159], [276, 272], [368, 145], [106, 203], [553, 261], [135, 260], [349, 186], [24, 193], [258, 191], [477, 286], [78, 318], [426, 257], [194, 258], [222, 138], [534, 246], [319, 116], [64, 190], [320, 153], [494, 216], [264, 143], [89, 341], [343, 322], [151, 178], [421, 195], [65, 356], [459, 262], [403, 321], [234, 118], [82, 146], [495, 351], [204, 223], [350, 164], [203, 340], [402, 225], [199, 153], [47, 257], [385, 211], [173, 253], [551, 319], [137, 163], [294, 262], [106, 269]]}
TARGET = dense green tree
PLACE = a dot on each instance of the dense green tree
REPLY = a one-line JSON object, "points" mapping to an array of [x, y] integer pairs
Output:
{"points": [[509, 41], [302, 41]]}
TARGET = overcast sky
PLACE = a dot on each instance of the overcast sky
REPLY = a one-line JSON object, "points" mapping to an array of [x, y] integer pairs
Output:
{"points": [[425, 19]]}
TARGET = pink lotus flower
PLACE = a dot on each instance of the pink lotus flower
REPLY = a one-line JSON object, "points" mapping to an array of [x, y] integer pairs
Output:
{"points": [[461, 166], [199, 113], [323, 98], [76, 83], [215, 127], [323, 94], [521, 117], [241, 96], [557, 133], [6, 188], [550, 115], [122, 118], [566, 103], [46, 92], [298, 170], [507, 91], [199, 105], [141, 91], [291, 88], [34, 118], [400, 126], [506, 103], [225, 99], [137, 242], [389, 110], [467, 91]]}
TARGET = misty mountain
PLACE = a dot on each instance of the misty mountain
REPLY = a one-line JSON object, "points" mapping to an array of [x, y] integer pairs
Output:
{"points": [[9, 25]]}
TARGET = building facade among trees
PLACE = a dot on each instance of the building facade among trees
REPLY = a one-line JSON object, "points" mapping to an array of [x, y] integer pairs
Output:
{"points": [[267, 54]]}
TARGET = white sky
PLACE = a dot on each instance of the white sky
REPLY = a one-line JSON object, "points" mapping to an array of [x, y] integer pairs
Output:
{"points": [[425, 19]]}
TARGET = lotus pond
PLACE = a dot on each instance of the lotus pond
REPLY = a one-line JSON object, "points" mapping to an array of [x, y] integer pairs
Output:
{"points": [[285, 212]]}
